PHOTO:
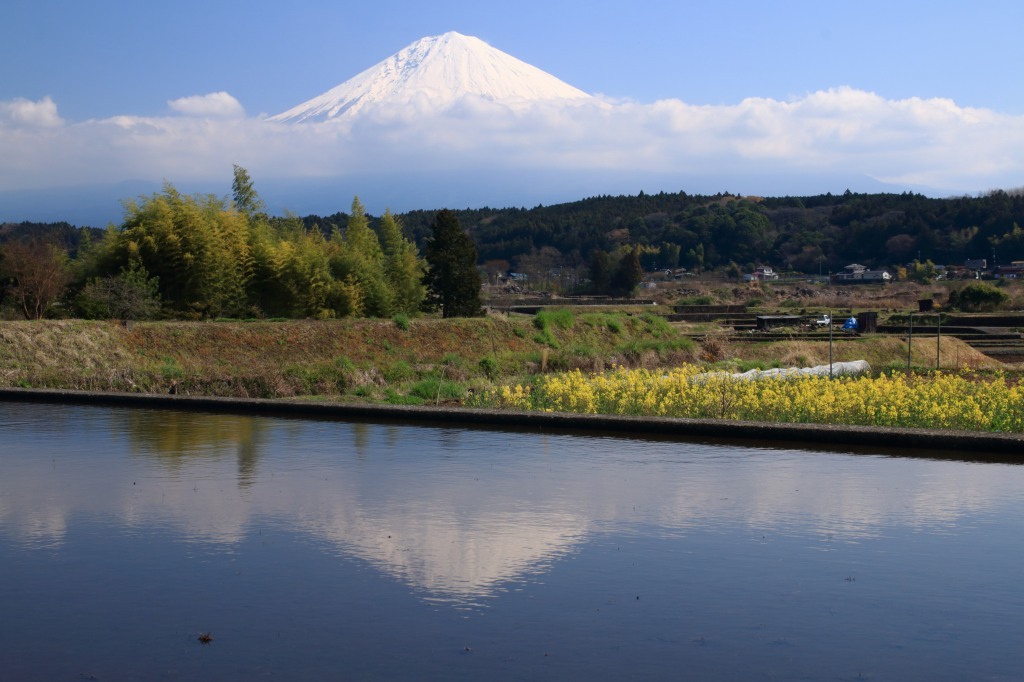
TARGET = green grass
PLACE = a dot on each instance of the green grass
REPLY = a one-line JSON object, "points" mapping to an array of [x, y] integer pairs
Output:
{"points": [[657, 325], [433, 389], [609, 321], [545, 338], [170, 370], [392, 397], [397, 372], [560, 318]]}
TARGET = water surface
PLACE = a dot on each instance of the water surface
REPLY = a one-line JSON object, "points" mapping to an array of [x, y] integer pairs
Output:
{"points": [[338, 550]]}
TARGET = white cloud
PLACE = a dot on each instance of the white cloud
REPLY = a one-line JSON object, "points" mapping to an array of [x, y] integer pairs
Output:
{"points": [[215, 104], [23, 112], [914, 143]]}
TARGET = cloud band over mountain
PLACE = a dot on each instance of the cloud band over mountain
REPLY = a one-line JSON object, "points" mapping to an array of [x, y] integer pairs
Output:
{"points": [[557, 148], [929, 142]]}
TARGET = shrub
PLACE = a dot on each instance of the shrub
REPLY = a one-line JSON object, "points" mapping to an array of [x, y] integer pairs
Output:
{"points": [[402, 321], [488, 367], [131, 295], [977, 297], [712, 348]]}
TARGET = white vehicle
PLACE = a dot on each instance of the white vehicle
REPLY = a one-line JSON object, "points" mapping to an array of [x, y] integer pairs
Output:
{"points": [[822, 321]]}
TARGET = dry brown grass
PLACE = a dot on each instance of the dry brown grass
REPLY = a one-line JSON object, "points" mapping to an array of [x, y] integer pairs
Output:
{"points": [[363, 358], [879, 351], [713, 348], [378, 360], [54, 353], [898, 296]]}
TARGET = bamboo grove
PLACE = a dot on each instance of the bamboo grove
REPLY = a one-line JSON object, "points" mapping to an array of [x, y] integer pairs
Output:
{"points": [[203, 256]]}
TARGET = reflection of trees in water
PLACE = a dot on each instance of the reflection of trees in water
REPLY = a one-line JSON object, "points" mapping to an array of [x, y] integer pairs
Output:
{"points": [[449, 439], [172, 439], [392, 435], [248, 453], [361, 436]]}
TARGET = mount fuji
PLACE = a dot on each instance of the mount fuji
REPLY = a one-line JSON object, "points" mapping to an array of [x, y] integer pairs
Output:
{"points": [[436, 72]]}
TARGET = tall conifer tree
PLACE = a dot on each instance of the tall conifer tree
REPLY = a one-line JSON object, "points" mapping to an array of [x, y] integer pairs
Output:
{"points": [[453, 282]]}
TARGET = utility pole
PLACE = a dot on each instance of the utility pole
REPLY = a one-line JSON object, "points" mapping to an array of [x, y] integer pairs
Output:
{"points": [[830, 328], [910, 341]]}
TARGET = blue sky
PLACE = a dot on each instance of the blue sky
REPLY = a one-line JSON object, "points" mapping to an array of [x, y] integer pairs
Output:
{"points": [[110, 58]]}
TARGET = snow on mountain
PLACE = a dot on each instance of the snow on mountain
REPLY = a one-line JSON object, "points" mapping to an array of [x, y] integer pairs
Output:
{"points": [[438, 70]]}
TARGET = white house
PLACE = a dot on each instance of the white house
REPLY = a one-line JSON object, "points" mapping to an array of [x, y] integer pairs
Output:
{"points": [[761, 274], [860, 274]]}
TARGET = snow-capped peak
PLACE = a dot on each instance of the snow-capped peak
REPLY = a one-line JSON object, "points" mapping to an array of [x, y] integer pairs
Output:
{"points": [[439, 70]]}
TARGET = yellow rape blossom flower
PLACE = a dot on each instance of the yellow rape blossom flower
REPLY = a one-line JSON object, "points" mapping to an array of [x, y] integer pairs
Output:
{"points": [[940, 400]]}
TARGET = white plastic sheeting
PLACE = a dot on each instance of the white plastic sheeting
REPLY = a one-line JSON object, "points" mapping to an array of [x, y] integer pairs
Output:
{"points": [[854, 367]]}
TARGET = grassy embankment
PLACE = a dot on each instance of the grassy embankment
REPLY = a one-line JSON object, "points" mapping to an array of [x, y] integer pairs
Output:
{"points": [[420, 361]]}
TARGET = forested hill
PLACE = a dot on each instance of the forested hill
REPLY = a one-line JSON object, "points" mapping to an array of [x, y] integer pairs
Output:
{"points": [[790, 233], [63, 234]]}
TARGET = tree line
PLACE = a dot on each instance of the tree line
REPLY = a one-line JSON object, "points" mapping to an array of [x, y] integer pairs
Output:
{"points": [[204, 256], [600, 239], [212, 256], [799, 234]]}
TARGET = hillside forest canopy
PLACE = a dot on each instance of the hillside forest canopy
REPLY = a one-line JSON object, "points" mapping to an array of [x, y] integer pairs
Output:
{"points": [[201, 256]]}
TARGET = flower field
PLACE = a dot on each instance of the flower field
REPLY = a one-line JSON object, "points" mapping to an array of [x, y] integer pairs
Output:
{"points": [[938, 400]]}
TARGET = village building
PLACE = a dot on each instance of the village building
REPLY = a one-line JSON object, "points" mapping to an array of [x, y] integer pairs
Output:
{"points": [[1010, 271], [761, 274], [860, 274]]}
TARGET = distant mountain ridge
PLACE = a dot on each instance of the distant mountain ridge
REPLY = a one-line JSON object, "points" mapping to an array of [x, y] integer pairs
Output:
{"points": [[435, 71]]}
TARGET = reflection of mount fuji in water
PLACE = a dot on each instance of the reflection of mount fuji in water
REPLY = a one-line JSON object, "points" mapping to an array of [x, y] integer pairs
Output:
{"points": [[455, 513], [450, 556]]}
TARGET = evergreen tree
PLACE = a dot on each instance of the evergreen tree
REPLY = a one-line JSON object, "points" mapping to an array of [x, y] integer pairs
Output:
{"points": [[628, 274], [453, 283], [612, 277], [600, 272], [131, 295]]}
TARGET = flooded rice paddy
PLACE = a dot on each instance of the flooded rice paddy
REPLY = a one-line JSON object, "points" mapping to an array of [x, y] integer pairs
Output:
{"points": [[304, 549]]}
